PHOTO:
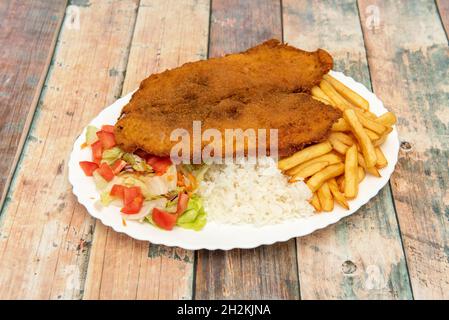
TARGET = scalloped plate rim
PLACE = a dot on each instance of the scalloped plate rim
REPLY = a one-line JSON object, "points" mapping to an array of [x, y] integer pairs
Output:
{"points": [[207, 238]]}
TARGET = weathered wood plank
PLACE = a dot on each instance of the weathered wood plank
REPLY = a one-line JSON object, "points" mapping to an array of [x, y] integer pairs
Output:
{"points": [[45, 233], [28, 35], [167, 34], [443, 8], [268, 272], [347, 260], [409, 62]]}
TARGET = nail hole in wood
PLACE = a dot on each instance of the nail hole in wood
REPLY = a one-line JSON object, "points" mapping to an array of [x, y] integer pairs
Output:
{"points": [[348, 267]]}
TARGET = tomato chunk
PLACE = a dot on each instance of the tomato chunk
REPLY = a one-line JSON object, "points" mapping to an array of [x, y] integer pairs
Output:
{"points": [[159, 164], [118, 166], [130, 194], [117, 191], [134, 206], [106, 172], [183, 200], [107, 128], [164, 219], [88, 167], [107, 139], [97, 151]]}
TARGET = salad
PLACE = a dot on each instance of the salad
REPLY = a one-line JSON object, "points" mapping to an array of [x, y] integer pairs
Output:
{"points": [[144, 187]]}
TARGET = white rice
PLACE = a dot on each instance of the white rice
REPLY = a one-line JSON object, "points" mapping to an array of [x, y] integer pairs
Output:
{"points": [[257, 194]]}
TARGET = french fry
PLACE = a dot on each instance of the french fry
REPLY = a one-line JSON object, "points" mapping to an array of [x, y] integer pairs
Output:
{"points": [[317, 92], [351, 173], [388, 119], [340, 125], [372, 135], [368, 114], [341, 183], [334, 96], [304, 155], [325, 197], [331, 158], [338, 146], [380, 141], [370, 123], [338, 196], [365, 143], [361, 174], [381, 160], [327, 173], [372, 170], [309, 170], [315, 202], [322, 100], [346, 139], [347, 93]]}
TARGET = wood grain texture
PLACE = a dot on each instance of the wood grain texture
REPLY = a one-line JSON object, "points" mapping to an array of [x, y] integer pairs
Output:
{"points": [[45, 234], [409, 63], [268, 272], [28, 35], [347, 260], [167, 34], [443, 9]]}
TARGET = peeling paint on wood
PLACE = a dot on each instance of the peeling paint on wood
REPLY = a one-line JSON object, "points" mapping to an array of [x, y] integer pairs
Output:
{"points": [[409, 63], [347, 260], [443, 9], [27, 39], [45, 232], [167, 34]]}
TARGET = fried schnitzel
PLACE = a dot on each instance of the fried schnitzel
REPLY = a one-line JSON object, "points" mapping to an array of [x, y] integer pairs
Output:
{"points": [[266, 86], [300, 120]]}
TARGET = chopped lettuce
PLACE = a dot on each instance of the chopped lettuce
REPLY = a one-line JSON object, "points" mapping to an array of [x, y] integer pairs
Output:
{"points": [[131, 181], [194, 217], [137, 162], [129, 157], [197, 170], [111, 155], [197, 224], [105, 198], [149, 219], [100, 182], [91, 134], [171, 203]]}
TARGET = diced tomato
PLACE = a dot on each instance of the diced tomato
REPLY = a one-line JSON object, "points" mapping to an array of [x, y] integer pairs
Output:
{"points": [[183, 199], [117, 191], [134, 206], [106, 172], [130, 194], [107, 139], [159, 164], [88, 167], [164, 219], [118, 166], [97, 151], [107, 128]]}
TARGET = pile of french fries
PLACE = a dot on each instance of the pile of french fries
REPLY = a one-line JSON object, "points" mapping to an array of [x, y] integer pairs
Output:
{"points": [[333, 169]]}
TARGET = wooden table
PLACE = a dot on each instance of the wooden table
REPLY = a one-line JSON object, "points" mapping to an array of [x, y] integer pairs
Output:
{"points": [[61, 63]]}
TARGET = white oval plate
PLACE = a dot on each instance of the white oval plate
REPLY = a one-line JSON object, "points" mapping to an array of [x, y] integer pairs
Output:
{"points": [[221, 236]]}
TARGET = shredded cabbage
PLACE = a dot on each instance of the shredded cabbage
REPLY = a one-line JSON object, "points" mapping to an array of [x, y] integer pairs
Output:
{"points": [[197, 170], [194, 217], [111, 155], [91, 134], [137, 162], [100, 182], [105, 198]]}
